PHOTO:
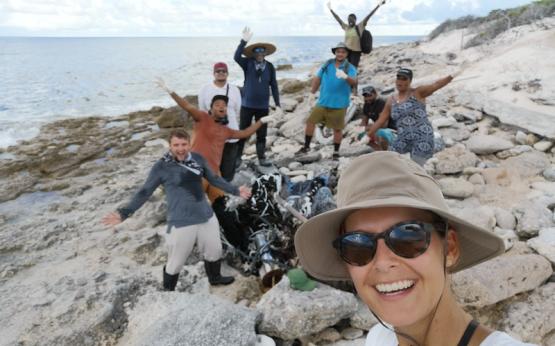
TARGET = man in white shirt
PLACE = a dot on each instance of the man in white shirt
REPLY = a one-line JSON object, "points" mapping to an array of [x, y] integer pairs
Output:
{"points": [[220, 86]]}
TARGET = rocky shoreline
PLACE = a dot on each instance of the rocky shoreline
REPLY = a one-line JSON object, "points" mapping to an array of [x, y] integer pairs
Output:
{"points": [[66, 280]]}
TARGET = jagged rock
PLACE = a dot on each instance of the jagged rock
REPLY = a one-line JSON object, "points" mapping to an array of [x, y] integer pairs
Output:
{"points": [[327, 336], [363, 318], [513, 274], [476, 179], [544, 243], [291, 86], [456, 187], [465, 114], [549, 173], [290, 314], [482, 216], [504, 218], [531, 217], [454, 160], [168, 318], [515, 151], [509, 237], [353, 151], [293, 128], [487, 144], [457, 132], [171, 117], [543, 145], [439, 122], [529, 318], [288, 105], [528, 164]]}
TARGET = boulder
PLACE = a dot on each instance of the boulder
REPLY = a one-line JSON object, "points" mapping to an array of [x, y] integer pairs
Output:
{"points": [[482, 216], [291, 86], [487, 144], [439, 122], [454, 160], [543, 145], [465, 114], [531, 319], [173, 318], [171, 117], [363, 318], [476, 179], [528, 164], [532, 216], [549, 173], [290, 314], [456, 187], [504, 218], [477, 287], [457, 132], [514, 151], [544, 243]]}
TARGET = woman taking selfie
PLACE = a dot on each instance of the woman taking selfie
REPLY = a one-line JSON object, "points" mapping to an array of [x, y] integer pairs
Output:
{"points": [[393, 236]]}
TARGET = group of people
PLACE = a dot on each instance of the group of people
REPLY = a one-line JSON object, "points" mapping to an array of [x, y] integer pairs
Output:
{"points": [[392, 233]]}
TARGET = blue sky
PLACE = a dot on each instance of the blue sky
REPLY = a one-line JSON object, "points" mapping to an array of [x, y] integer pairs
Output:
{"points": [[226, 18]]}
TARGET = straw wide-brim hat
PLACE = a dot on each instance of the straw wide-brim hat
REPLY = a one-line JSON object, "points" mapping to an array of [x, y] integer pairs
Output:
{"points": [[385, 179], [248, 51]]}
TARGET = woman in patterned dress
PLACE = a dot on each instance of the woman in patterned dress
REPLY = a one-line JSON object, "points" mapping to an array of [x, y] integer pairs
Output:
{"points": [[407, 109]]}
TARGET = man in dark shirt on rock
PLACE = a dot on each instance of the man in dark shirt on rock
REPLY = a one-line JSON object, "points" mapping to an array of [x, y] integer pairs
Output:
{"points": [[373, 106]]}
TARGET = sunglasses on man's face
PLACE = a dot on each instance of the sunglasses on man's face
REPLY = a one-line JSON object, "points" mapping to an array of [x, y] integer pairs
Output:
{"points": [[408, 239], [220, 71], [259, 50]]}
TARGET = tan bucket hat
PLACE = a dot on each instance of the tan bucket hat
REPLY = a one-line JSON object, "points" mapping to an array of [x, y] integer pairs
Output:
{"points": [[385, 179], [248, 51]]}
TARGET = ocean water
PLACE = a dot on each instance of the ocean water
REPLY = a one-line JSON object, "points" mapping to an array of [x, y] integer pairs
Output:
{"points": [[45, 79]]}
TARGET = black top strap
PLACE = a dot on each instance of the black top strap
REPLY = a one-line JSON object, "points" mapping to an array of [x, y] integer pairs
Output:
{"points": [[227, 90], [469, 331]]}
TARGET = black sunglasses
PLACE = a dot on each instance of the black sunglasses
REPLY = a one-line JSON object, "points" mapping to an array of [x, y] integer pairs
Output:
{"points": [[408, 239]]}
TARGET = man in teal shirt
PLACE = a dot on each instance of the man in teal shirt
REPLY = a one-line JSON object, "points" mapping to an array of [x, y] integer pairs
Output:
{"points": [[335, 79]]}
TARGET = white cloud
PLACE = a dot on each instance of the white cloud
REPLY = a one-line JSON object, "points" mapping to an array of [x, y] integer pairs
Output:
{"points": [[215, 17]]}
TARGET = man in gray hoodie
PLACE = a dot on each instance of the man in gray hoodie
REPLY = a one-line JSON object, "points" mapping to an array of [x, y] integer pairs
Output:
{"points": [[190, 218]]}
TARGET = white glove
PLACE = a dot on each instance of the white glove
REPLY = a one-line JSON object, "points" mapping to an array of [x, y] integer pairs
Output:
{"points": [[162, 85], [329, 5], [340, 74], [269, 119], [247, 34]]}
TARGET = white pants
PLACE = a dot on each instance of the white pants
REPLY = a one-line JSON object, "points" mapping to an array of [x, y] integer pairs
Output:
{"points": [[181, 240]]}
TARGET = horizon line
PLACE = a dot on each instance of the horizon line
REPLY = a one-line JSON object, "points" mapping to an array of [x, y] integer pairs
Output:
{"points": [[216, 36]]}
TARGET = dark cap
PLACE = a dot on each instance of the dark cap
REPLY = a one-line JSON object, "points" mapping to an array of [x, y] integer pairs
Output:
{"points": [[405, 72], [219, 97], [368, 90]]}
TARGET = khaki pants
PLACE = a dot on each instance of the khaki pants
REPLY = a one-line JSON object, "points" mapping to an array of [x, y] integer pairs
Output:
{"points": [[180, 242]]}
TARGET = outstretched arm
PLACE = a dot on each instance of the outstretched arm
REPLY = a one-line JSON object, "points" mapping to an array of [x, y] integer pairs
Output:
{"points": [[426, 90], [337, 18], [367, 18], [181, 102], [246, 133], [140, 197]]}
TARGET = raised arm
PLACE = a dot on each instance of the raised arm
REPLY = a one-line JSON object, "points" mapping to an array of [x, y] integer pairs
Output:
{"points": [[382, 119], [243, 62], [246, 133], [424, 91], [367, 18], [337, 18], [181, 102]]}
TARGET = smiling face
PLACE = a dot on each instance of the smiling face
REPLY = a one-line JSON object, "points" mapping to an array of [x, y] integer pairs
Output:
{"points": [[352, 19], [401, 291], [219, 108], [180, 147], [341, 54]]}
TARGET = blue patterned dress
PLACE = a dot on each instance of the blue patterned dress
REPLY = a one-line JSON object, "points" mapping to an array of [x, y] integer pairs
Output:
{"points": [[415, 134]]}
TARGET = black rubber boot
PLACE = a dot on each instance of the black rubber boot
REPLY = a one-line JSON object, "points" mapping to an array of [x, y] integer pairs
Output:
{"points": [[213, 273], [170, 281]]}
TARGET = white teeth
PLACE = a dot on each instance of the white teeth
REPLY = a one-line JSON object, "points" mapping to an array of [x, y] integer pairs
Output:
{"points": [[395, 286]]}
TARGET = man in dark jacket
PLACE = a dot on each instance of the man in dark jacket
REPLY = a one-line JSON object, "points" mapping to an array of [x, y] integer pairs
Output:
{"points": [[260, 77], [190, 219]]}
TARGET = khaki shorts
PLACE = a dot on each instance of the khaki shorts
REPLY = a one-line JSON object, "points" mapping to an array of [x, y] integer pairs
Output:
{"points": [[333, 118]]}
